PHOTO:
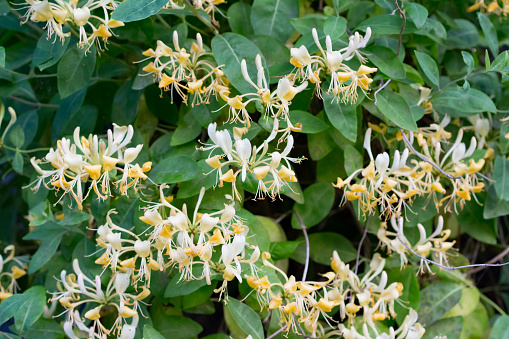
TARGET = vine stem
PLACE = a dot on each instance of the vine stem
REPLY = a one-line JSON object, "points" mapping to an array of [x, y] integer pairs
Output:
{"points": [[402, 26], [423, 158], [360, 244], [277, 332], [195, 12], [305, 232], [448, 267]]}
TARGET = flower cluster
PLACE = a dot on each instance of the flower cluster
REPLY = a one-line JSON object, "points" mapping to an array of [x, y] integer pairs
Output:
{"points": [[493, 7], [206, 246], [78, 290], [272, 170], [344, 80], [186, 72], [17, 269], [92, 19], [92, 160], [393, 187], [435, 244], [304, 302]]}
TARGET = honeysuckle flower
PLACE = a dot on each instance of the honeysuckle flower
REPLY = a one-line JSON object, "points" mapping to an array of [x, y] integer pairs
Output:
{"points": [[93, 159], [273, 171], [186, 72]]}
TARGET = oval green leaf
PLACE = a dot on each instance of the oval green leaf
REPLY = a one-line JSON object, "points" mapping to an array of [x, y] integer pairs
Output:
{"points": [[175, 169], [247, 319], [134, 10]]}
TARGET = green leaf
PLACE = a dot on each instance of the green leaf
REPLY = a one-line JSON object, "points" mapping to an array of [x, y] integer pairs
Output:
{"points": [[447, 328], [17, 163], [396, 109], [45, 328], [176, 327], [175, 169], [239, 18], [470, 219], [44, 253], [11, 305], [150, 333], [500, 328], [28, 313], [436, 300], [334, 26], [490, 33], [2, 56], [125, 104], [501, 177], [67, 111], [342, 116], [417, 13], [319, 199], [310, 123], [247, 319], [321, 246], [283, 249], [48, 52], [134, 10], [464, 36], [188, 128], [456, 102], [386, 60], [271, 17], [429, 67], [74, 218], [470, 297], [469, 61], [386, 24], [75, 70], [17, 136], [493, 207], [126, 209], [177, 288], [352, 159], [229, 49]]}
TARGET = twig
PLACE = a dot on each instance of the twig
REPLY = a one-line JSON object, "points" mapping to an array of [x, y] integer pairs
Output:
{"points": [[457, 267], [282, 216], [423, 158], [31, 103], [381, 88], [360, 244], [305, 232], [402, 27], [195, 12], [277, 332], [494, 260]]}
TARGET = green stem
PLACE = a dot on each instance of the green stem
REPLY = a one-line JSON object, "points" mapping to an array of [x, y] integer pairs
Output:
{"points": [[25, 151], [195, 12], [492, 304], [29, 76]]}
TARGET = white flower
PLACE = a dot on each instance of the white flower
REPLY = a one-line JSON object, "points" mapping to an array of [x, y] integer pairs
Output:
{"points": [[81, 16], [142, 248]]}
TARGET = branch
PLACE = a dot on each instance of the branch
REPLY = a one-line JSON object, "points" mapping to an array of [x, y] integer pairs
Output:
{"points": [[304, 231], [360, 244], [277, 332], [402, 27], [457, 267], [381, 88], [423, 158], [494, 260], [195, 12]]}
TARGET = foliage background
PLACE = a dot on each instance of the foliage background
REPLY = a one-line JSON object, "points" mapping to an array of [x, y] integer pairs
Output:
{"points": [[55, 87]]}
